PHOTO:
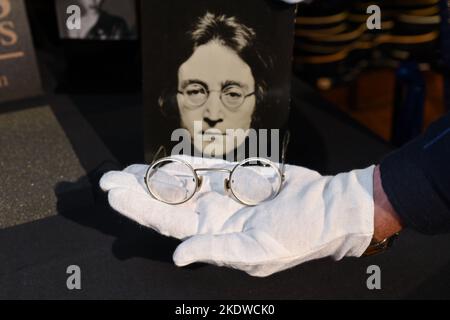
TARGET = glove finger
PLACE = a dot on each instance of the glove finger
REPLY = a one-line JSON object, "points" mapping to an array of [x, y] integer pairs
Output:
{"points": [[120, 179], [221, 250], [254, 252], [136, 169], [234, 250], [174, 221]]}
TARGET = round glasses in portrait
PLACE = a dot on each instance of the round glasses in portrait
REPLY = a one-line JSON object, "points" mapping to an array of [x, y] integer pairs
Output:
{"points": [[197, 94]]}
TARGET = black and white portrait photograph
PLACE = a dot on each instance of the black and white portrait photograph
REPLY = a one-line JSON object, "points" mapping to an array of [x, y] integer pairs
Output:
{"points": [[220, 68], [97, 19]]}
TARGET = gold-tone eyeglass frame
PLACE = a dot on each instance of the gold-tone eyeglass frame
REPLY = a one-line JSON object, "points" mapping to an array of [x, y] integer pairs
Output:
{"points": [[227, 185], [244, 97]]}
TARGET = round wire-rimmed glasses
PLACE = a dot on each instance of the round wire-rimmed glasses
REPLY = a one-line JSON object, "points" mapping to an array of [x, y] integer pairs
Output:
{"points": [[252, 181], [231, 96]]}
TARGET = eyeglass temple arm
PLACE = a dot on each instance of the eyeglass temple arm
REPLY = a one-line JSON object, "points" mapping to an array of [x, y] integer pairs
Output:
{"points": [[285, 144], [161, 150]]}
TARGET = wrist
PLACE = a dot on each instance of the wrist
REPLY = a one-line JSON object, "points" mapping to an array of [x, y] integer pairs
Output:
{"points": [[386, 220]]}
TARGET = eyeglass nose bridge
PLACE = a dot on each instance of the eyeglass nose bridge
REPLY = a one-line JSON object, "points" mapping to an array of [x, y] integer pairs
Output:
{"points": [[220, 98], [208, 96], [220, 92], [226, 183], [213, 169]]}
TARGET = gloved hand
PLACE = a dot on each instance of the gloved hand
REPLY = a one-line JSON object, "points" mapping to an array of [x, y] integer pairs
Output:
{"points": [[314, 216], [128, 194]]}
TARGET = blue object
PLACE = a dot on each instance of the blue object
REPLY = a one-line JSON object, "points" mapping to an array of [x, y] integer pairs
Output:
{"points": [[409, 103], [445, 49]]}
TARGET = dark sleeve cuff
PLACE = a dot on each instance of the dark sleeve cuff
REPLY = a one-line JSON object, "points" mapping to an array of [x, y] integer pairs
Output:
{"points": [[416, 179]]}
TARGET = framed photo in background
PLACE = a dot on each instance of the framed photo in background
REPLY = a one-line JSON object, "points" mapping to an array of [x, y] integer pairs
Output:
{"points": [[101, 48], [210, 66], [19, 75], [99, 20]]}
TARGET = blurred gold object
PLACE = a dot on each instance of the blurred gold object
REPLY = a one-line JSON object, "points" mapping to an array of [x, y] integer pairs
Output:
{"points": [[377, 247]]}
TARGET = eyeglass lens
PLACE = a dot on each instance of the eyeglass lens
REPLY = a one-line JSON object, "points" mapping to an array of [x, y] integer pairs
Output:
{"points": [[171, 181], [254, 182]]}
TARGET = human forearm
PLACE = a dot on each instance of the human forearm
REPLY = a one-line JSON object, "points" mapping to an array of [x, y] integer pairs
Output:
{"points": [[386, 220]]}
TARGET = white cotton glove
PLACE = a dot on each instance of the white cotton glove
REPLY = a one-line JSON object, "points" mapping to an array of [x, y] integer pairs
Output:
{"points": [[128, 194], [314, 216]]}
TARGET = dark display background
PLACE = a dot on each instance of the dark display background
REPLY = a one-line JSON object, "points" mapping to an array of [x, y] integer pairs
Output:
{"points": [[83, 66], [120, 259]]}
